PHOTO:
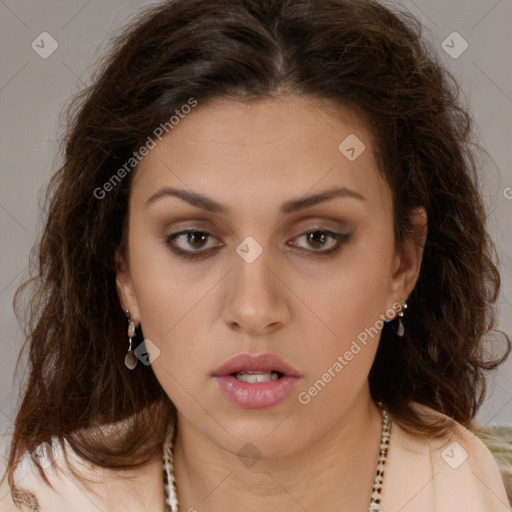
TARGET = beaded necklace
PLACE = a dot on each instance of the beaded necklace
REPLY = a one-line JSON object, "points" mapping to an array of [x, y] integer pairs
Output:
{"points": [[171, 493]]}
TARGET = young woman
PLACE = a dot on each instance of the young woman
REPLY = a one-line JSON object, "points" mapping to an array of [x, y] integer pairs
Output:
{"points": [[265, 276]]}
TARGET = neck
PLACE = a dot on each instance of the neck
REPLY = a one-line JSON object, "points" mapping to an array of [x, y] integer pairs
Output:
{"points": [[332, 472]]}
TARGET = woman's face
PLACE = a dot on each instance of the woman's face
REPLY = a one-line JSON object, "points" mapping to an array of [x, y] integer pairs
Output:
{"points": [[270, 271]]}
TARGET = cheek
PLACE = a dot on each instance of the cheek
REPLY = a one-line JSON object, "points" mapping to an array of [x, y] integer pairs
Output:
{"points": [[348, 307], [356, 290], [158, 284], [162, 300], [340, 358]]}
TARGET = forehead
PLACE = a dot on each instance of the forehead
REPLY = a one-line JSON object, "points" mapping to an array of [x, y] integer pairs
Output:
{"points": [[289, 146]]}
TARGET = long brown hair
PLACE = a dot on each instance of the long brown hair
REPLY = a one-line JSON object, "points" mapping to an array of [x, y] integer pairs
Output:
{"points": [[355, 54]]}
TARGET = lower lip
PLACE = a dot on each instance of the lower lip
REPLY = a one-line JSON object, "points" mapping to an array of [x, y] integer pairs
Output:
{"points": [[261, 395]]}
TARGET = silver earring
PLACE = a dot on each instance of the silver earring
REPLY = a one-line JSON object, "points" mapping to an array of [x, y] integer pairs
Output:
{"points": [[398, 327], [130, 360]]}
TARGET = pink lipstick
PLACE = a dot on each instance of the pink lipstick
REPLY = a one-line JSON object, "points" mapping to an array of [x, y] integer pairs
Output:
{"points": [[256, 381]]}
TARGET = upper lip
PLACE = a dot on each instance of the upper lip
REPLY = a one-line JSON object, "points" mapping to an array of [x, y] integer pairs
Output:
{"points": [[255, 362]]}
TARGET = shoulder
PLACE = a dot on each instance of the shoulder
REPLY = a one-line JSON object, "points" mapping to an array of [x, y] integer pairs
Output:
{"points": [[498, 439], [99, 489], [456, 472]]}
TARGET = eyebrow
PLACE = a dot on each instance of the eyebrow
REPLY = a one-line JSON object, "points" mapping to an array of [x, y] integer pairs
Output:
{"points": [[290, 206]]}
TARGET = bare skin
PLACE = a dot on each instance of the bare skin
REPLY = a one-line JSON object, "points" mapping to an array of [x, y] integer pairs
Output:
{"points": [[290, 301]]}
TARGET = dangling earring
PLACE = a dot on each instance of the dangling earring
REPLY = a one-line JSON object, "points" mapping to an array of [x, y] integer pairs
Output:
{"points": [[130, 360], [398, 327]]}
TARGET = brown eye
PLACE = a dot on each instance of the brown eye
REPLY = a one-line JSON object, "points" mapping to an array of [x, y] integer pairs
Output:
{"points": [[318, 238], [188, 239], [196, 238]]}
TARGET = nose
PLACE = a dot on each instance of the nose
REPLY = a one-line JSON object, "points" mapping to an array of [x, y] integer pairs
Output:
{"points": [[257, 298]]}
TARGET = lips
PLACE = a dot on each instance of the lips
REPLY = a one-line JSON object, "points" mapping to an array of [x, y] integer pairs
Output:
{"points": [[264, 362], [256, 381]]}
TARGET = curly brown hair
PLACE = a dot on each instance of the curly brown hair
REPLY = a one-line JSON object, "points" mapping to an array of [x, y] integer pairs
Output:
{"points": [[355, 54]]}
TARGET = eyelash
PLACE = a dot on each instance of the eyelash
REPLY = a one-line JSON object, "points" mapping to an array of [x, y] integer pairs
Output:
{"points": [[339, 237]]}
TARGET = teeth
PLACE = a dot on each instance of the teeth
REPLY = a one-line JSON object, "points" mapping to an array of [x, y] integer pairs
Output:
{"points": [[253, 377]]}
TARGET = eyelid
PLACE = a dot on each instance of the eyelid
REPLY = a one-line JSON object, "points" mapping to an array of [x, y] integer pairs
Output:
{"points": [[339, 238], [339, 241], [185, 231]]}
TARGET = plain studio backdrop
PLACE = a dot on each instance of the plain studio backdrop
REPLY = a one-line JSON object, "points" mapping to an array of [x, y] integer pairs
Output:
{"points": [[47, 48]]}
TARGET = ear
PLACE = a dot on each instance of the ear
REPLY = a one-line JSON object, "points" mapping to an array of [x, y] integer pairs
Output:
{"points": [[125, 288], [407, 261]]}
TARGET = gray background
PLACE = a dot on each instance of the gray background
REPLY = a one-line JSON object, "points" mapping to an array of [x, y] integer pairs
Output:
{"points": [[33, 92]]}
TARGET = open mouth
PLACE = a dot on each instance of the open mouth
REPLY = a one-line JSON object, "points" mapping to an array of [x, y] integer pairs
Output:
{"points": [[254, 377], [256, 381]]}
